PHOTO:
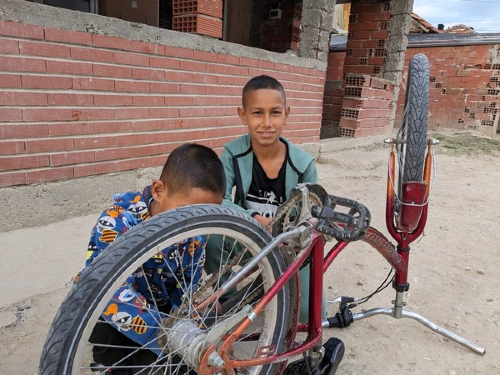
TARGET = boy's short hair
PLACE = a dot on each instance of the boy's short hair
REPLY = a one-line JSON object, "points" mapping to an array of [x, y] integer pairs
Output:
{"points": [[262, 82], [194, 166]]}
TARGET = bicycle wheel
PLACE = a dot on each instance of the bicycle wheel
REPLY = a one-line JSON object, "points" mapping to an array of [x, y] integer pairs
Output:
{"points": [[412, 134], [68, 351]]}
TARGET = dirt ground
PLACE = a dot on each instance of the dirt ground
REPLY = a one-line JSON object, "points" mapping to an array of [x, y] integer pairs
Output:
{"points": [[454, 277]]}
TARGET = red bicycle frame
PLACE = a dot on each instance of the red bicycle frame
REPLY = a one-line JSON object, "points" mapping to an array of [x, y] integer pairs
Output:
{"points": [[319, 265]]}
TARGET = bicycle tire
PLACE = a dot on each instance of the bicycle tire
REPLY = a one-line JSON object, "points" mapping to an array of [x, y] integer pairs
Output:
{"points": [[65, 349], [412, 135]]}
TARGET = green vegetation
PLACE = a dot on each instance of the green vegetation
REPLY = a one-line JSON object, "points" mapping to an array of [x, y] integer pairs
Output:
{"points": [[467, 144]]}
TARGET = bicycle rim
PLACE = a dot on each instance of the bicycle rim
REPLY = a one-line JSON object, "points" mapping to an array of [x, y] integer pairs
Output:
{"points": [[67, 349]]}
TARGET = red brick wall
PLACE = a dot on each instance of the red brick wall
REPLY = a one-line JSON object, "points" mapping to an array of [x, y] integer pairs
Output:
{"points": [[368, 30], [364, 55], [198, 16], [464, 86], [282, 34], [365, 106], [76, 104], [334, 95]]}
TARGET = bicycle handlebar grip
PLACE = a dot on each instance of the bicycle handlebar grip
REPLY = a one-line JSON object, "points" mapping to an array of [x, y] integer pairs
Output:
{"points": [[349, 226]]}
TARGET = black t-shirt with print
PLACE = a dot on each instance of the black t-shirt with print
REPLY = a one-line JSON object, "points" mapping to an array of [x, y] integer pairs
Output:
{"points": [[265, 194]]}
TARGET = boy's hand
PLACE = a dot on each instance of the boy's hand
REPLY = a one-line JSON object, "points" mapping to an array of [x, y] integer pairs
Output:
{"points": [[263, 220]]}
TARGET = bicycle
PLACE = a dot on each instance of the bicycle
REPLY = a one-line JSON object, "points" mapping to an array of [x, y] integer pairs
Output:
{"points": [[243, 317]]}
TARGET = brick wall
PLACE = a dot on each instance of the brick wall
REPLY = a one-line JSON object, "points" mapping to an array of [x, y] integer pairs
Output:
{"points": [[198, 16], [334, 94], [365, 106], [464, 86], [364, 56], [76, 104], [283, 33], [368, 30]]}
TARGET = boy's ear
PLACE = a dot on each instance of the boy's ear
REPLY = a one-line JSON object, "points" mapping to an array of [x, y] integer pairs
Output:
{"points": [[287, 112], [158, 190], [241, 113]]}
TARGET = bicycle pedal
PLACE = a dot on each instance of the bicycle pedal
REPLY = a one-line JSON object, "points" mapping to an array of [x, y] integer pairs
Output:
{"points": [[334, 352]]}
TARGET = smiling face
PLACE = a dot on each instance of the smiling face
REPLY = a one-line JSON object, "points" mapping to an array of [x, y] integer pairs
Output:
{"points": [[265, 114]]}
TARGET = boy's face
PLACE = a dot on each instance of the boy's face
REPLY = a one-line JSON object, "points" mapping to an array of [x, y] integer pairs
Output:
{"points": [[164, 201], [265, 115]]}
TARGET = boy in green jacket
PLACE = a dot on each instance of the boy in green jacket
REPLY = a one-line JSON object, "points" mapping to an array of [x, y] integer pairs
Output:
{"points": [[262, 165]]}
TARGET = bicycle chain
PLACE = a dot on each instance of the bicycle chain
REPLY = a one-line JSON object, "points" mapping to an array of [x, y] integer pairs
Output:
{"points": [[285, 208]]}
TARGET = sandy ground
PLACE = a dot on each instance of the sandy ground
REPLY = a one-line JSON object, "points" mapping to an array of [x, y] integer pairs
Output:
{"points": [[454, 277]]}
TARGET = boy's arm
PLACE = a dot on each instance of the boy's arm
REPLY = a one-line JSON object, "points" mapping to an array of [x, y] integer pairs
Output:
{"points": [[227, 162], [96, 246], [131, 315], [193, 259], [109, 226], [311, 173]]}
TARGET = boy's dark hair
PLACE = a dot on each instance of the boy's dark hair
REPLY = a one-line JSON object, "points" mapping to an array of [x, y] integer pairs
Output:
{"points": [[194, 166], [262, 82]]}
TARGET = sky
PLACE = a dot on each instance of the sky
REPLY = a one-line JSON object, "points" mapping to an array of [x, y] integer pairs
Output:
{"points": [[482, 15]]}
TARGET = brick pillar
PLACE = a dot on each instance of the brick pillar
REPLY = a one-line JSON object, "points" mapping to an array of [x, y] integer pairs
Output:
{"points": [[365, 107], [334, 93], [282, 32], [198, 16], [366, 39], [397, 41], [365, 55], [317, 24]]}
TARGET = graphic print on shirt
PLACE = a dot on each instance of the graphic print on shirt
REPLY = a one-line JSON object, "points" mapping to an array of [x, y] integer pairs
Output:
{"points": [[138, 209], [265, 194], [124, 321], [265, 205], [106, 225]]}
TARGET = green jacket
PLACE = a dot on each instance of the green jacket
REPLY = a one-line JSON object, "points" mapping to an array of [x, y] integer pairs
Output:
{"points": [[237, 158]]}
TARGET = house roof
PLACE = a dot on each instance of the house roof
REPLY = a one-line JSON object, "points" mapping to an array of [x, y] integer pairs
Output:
{"points": [[460, 29], [338, 43], [419, 25], [447, 39]]}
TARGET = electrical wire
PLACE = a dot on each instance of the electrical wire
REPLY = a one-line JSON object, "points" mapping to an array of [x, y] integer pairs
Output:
{"points": [[380, 288], [482, 1]]}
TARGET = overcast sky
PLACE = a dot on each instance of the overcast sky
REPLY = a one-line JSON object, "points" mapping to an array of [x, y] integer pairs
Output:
{"points": [[482, 15]]}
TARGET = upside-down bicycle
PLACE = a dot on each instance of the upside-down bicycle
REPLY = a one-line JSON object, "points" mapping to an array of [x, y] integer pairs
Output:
{"points": [[242, 318]]}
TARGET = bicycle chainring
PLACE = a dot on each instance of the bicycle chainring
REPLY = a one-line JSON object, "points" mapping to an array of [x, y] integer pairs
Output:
{"points": [[289, 213]]}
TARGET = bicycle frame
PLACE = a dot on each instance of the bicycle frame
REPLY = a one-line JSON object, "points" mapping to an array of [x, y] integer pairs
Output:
{"points": [[315, 245], [312, 244]]}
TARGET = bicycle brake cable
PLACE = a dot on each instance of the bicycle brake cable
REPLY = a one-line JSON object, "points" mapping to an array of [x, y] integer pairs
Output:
{"points": [[387, 281]]}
